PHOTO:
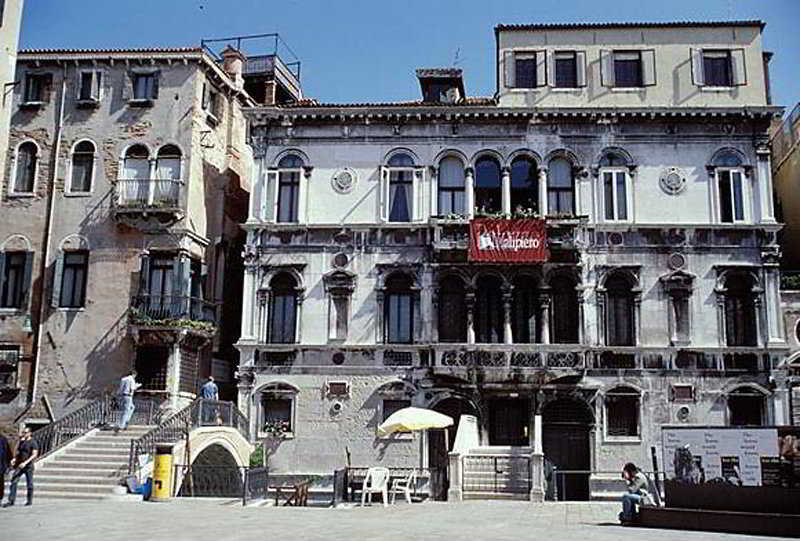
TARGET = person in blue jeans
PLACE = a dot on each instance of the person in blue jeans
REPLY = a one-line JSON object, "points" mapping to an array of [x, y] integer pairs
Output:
{"points": [[127, 386], [637, 492], [27, 451]]}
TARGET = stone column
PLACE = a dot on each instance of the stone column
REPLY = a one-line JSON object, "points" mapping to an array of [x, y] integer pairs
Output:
{"points": [[758, 295], [263, 301], [249, 289], [508, 337], [544, 317], [543, 192], [775, 330], [505, 186], [764, 178], [469, 182], [470, 317], [581, 316], [721, 329]]}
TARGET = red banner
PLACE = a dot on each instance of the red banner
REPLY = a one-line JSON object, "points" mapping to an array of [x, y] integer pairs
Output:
{"points": [[508, 241]]}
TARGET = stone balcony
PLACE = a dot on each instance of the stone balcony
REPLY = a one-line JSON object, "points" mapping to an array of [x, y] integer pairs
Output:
{"points": [[173, 312], [148, 204]]}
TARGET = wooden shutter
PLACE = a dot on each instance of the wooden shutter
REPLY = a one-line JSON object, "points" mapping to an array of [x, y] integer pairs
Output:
{"points": [[205, 97], [302, 197], [47, 86], [738, 68], [26, 280], [156, 77], [144, 274], [696, 61], [3, 276], [544, 66], [97, 84], [580, 69], [180, 285], [648, 57], [127, 86], [58, 275], [509, 69], [607, 67], [269, 208], [383, 193]]}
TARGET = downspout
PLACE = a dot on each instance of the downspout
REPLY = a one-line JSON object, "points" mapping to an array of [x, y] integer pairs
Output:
{"points": [[48, 233]]}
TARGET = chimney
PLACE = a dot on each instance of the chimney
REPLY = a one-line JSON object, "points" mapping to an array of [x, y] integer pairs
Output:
{"points": [[233, 64], [441, 85]]}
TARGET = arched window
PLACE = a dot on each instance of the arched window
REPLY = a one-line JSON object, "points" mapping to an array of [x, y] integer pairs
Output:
{"points": [[732, 189], [27, 160], [746, 407], [622, 412], [560, 188], [488, 318], [740, 311], [282, 309], [488, 189], [614, 187], [564, 310], [168, 175], [524, 311], [82, 167], [401, 188], [136, 164], [524, 185], [619, 312], [289, 170], [451, 187], [398, 315], [452, 310]]}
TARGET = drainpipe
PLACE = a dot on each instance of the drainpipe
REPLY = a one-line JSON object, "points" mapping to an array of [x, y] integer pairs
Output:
{"points": [[51, 195]]}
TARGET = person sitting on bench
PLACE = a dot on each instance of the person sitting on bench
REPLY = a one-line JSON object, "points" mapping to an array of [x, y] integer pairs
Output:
{"points": [[637, 492]]}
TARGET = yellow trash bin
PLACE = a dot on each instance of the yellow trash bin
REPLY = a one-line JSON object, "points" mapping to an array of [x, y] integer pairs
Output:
{"points": [[162, 473]]}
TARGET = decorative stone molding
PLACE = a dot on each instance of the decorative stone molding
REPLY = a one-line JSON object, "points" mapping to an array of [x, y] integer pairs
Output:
{"points": [[672, 181]]}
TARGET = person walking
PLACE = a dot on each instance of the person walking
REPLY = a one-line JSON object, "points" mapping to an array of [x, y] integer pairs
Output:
{"points": [[209, 391], [637, 492], [5, 463], [127, 386], [27, 451]]}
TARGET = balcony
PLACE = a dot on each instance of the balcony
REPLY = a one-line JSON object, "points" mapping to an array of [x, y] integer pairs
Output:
{"points": [[148, 204], [174, 312]]}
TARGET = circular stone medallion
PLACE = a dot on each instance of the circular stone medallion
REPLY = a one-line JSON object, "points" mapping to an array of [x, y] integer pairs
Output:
{"points": [[673, 181], [344, 180]]}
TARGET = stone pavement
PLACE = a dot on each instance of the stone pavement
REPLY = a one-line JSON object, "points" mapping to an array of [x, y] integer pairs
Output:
{"points": [[212, 519]]}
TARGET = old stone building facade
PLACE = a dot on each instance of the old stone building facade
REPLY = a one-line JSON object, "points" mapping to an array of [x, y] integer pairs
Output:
{"points": [[126, 179], [643, 147]]}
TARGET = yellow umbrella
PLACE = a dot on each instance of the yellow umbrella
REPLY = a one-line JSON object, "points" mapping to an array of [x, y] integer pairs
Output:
{"points": [[410, 419]]}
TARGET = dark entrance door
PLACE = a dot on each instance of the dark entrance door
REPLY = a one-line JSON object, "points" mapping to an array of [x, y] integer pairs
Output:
{"points": [[565, 441], [437, 451], [509, 419]]}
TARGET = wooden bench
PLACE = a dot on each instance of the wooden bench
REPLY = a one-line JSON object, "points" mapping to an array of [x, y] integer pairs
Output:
{"points": [[294, 495]]}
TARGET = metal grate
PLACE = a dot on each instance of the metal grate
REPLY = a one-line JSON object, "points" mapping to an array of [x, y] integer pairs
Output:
{"points": [[501, 474]]}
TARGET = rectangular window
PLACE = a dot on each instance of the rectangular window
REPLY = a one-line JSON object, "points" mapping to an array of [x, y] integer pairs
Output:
{"points": [[399, 316], [615, 196], [9, 361], [282, 318], [144, 86], [90, 86], [566, 69], [73, 279], [717, 67], [288, 195], [390, 406], [151, 367], [276, 408], [627, 69], [622, 415], [13, 280], [525, 70], [731, 196], [211, 101], [401, 201], [36, 85]]}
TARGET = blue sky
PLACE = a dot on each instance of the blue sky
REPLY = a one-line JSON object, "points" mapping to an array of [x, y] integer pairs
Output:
{"points": [[367, 50]]}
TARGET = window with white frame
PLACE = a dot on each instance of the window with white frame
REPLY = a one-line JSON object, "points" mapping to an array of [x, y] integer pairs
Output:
{"points": [[620, 312], [732, 190], [82, 174], [399, 188], [614, 189], [167, 180], [15, 280], [718, 68], [27, 165], [75, 268], [525, 69], [37, 87], [277, 404], [290, 171], [398, 317], [90, 85], [212, 102], [451, 187], [282, 315], [560, 188], [622, 405]]}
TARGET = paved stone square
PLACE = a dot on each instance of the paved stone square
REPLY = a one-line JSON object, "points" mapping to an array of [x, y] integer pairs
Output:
{"points": [[228, 520]]}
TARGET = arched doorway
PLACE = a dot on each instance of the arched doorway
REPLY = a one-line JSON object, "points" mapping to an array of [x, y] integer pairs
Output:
{"points": [[214, 473], [566, 423], [455, 407]]}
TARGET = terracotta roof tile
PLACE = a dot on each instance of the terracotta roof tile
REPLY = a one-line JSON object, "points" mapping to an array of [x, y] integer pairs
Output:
{"points": [[153, 50], [671, 24], [312, 103]]}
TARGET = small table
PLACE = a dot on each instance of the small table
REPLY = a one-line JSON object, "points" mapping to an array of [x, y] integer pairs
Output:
{"points": [[294, 495]]}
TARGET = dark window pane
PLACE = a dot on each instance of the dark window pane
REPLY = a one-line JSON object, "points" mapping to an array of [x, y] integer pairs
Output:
{"points": [[619, 317], [73, 280], [26, 167], [725, 201], [524, 185], [525, 72], [400, 196], [288, 187], [622, 197], [451, 186], [524, 310], [487, 185], [564, 310], [717, 68], [14, 277], [622, 413], [452, 310], [746, 409], [608, 195], [277, 410], [391, 406], [488, 317], [560, 196], [738, 196], [82, 165], [627, 69], [740, 313], [566, 70]]}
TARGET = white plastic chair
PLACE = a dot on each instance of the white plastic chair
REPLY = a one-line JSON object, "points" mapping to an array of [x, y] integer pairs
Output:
{"points": [[377, 480], [405, 485]]}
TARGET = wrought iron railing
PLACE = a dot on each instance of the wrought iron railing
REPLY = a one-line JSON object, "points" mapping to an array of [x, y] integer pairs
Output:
{"points": [[139, 193], [256, 484], [152, 309], [201, 412], [574, 485]]}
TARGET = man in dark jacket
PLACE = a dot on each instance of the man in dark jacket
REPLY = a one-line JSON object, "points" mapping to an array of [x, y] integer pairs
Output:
{"points": [[27, 451], [5, 462]]}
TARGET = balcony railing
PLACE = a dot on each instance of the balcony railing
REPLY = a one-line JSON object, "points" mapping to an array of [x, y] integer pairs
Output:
{"points": [[173, 311], [139, 193]]}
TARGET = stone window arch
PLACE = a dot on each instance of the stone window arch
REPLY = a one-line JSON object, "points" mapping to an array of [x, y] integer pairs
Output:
{"points": [[524, 184], [283, 309], [26, 168], [451, 186], [276, 404], [83, 162], [488, 184], [619, 299], [732, 192], [747, 406]]}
